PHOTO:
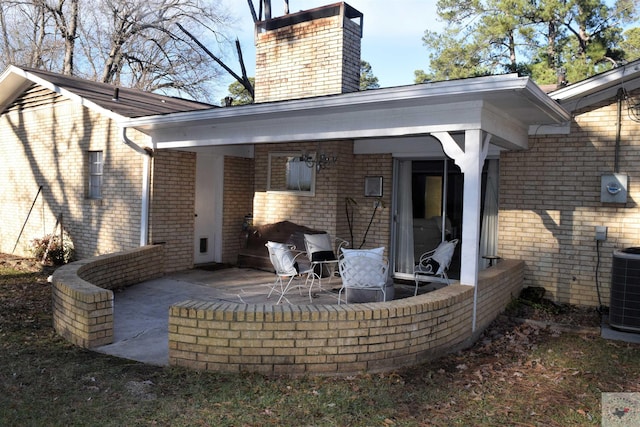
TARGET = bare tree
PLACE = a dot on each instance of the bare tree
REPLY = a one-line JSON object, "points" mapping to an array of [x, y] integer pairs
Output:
{"points": [[65, 16], [137, 43], [24, 28]]}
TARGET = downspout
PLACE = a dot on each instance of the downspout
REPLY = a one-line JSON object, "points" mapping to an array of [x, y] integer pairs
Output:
{"points": [[144, 214]]}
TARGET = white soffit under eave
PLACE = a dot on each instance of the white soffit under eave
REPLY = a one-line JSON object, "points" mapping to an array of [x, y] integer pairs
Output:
{"points": [[12, 84]]}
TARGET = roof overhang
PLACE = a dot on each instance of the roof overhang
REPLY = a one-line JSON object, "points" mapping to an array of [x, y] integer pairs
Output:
{"points": [[105, 99], [598, 88], [15, 80], [504, 106]]}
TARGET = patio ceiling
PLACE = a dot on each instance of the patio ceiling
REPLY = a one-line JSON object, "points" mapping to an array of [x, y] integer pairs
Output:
{"points": [[503, 106]]}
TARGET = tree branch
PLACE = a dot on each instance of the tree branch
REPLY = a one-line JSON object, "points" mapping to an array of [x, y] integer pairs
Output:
{"points": [[243, 81]]}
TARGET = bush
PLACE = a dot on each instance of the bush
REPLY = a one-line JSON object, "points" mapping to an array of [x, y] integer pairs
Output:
{"points": [[58, 254]]}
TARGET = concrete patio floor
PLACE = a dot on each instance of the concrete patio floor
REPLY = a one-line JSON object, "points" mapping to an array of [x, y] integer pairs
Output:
{"points": [[141, 312]]}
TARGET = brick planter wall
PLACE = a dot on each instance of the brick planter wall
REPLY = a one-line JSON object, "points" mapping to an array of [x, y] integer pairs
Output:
{"points": [[337, 340], [82, 292]]}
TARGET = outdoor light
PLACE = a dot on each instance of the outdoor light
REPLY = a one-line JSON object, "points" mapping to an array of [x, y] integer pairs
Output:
{"points": [[321, 161]]}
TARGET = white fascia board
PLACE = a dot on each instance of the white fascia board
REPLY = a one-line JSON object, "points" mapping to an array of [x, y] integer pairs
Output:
{"points": [[427, 93], [325, 125], [545, 103], [30, 77], [402, 111], [598, 88], [610, 92]]}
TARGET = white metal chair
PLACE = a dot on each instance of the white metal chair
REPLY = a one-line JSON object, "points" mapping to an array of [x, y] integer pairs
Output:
{"points": [[284, 260], [433, 264], [322, 250], [364, 270]]}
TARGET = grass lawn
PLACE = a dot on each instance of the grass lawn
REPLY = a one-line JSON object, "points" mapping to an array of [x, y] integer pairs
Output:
{"points": [[516, 375]]}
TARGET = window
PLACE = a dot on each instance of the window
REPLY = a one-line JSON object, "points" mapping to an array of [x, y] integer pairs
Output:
{"points": [[290, 172], [298, 175], [95, 175]]}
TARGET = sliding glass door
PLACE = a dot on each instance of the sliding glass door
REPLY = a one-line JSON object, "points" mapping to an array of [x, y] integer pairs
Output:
{"points": [[428, 209]]}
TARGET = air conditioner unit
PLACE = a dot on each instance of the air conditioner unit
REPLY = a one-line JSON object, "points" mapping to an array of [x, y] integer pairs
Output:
{"points": [[624, 305]]}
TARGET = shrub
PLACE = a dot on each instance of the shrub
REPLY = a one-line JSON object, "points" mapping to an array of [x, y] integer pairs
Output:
{"points": [[58, 253]]}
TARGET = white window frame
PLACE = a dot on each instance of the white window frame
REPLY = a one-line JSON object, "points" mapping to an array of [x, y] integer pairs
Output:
{"points": [[296, 170], [95, 174]]}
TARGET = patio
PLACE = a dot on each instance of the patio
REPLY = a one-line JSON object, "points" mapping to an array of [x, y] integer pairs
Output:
{"points": [[141, 330]]}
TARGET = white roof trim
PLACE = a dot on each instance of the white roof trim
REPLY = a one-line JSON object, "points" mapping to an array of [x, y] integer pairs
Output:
{"points": [[30, 77], [598, 88], [428, 93]]}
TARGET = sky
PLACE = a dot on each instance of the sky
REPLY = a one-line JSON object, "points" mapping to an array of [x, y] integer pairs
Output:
{"points": [[391, 42]]}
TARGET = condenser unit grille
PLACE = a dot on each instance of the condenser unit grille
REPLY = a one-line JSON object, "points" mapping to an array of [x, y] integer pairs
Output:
{"points": [[624, 306]]}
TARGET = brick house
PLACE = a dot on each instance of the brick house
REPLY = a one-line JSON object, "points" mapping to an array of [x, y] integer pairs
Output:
{"points": [[553, 196], [473, 159], [52, 129]]}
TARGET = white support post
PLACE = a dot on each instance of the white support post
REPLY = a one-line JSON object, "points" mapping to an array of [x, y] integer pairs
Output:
{"points": [[474, 156], [470, 160]]}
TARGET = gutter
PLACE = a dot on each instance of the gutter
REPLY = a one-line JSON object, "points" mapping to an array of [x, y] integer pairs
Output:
{"points": [[144, 214]]}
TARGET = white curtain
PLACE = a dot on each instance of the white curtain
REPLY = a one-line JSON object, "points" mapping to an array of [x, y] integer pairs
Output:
{"points": [[489, 235], [298, 175], [405, 258]]}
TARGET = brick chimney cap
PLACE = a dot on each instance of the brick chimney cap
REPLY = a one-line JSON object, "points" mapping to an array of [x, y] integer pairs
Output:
{"points": [[309, 15]]}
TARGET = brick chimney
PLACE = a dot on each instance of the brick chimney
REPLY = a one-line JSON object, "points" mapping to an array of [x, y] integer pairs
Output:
{"points": [[310, 53]]}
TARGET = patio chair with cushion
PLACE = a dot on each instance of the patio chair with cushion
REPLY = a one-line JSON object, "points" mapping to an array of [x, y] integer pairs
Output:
{"points": [[362, 269], [284, 259], [433, 264], [322, 250]]}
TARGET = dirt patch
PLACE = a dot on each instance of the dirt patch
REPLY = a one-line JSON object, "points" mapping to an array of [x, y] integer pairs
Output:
{"points": [[30, 265], [532, 305]]}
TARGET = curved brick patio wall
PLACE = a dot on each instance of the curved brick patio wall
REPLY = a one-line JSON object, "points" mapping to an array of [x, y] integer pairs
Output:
{"points": [[83, 292], [337, 340]]}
